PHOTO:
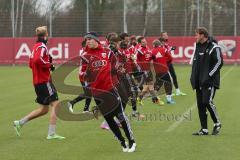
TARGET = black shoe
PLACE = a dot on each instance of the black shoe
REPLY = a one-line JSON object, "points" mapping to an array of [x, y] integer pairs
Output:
{"points": [[86, 109], [200, 133], [155, 99], [216, 129], [131, 143]]}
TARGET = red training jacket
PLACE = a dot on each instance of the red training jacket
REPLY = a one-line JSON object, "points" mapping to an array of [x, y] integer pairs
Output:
{"points": [[160, 60], [39, 63], [98, 69], [144, 57]]}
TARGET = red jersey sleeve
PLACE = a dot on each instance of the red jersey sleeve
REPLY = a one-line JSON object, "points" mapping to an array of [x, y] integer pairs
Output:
{"points": [[83, 68], [168, 56], [114, 62]]}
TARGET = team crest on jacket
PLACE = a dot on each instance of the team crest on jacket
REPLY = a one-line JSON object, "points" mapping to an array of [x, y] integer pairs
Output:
{"points": [[159, 55], [91, 58], [104, 55]]}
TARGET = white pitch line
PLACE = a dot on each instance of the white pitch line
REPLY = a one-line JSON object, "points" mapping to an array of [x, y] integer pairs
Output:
{"points": [[192, 107]]}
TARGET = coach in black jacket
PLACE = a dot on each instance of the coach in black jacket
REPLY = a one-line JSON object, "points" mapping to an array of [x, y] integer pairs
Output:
{"points": [[205, 78]]}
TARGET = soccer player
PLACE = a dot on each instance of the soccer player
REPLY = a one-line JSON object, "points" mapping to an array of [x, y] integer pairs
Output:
{"points": [[133, 41], [125, 37], [144, 58], [87, 94], [109, 46], [127, 87], [159, 54], [118, 61], [130, 85], [205, 79], [41, 65], [164, 39], [127, 57], [100, 75], [108, 37], [132, 50]]}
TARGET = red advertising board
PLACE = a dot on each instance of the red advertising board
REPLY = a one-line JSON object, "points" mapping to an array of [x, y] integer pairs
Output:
{"points": [[17, 50]]}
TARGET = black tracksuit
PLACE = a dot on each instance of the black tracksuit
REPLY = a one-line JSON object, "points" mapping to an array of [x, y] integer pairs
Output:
{"points": [[173, 74], [205, 78]]}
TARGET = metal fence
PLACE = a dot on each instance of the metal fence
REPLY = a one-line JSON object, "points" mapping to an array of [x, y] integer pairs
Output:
{"points": [[220, 19]]}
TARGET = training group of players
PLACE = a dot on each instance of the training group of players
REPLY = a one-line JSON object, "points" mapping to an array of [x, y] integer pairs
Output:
{"points": [[112, 74], [122, 67]]}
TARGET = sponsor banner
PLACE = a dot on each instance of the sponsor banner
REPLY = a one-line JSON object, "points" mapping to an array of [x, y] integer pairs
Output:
{"points": [[18, 50]]}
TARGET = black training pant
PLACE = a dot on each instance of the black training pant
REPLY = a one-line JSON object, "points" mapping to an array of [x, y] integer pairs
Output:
{"points": [[127, 88], [86, 95], [163, 79], [205, 102], [110, 106], [173, 75]]}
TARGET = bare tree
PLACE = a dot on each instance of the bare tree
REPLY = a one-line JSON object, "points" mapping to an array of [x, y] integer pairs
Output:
{"points": [[125, 16], [145, 13], [21, 18], [185, 16], [12, 17], [16, 18], [210, 17], [192, 17], [202, 12], [50, 9]]}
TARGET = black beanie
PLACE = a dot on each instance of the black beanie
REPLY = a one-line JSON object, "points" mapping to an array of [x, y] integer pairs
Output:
{"points": [[92, 35]]}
